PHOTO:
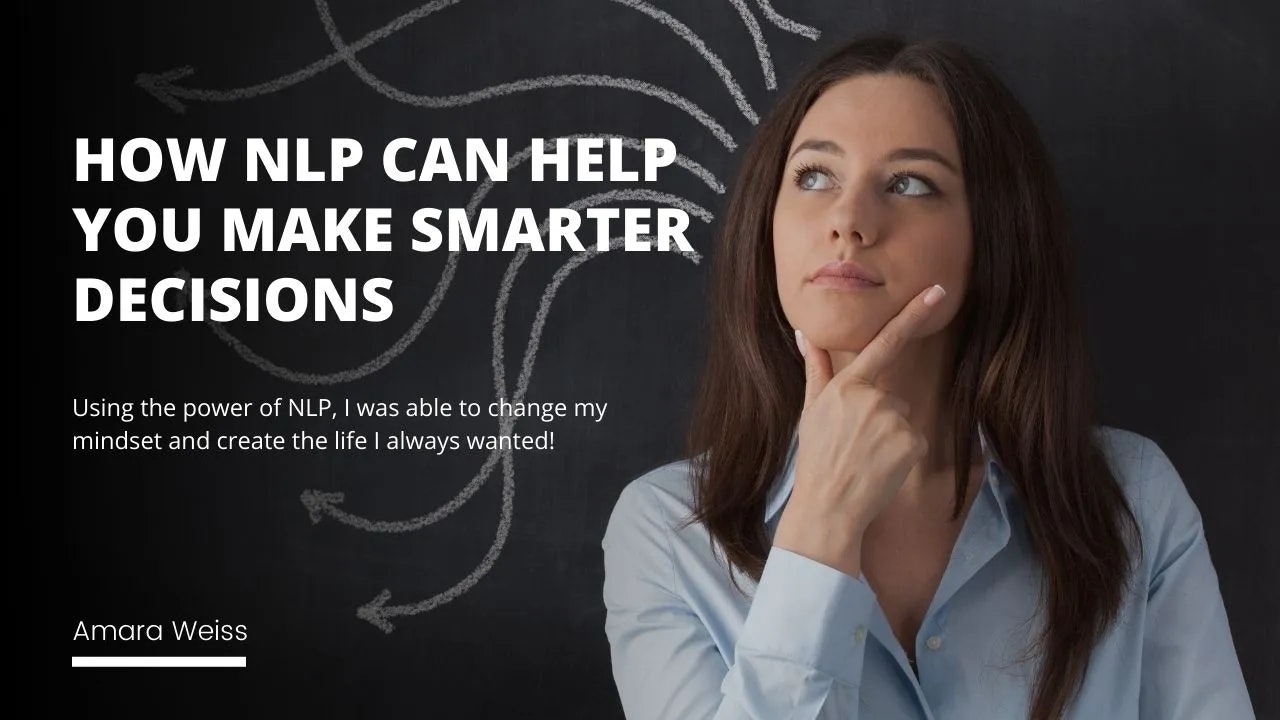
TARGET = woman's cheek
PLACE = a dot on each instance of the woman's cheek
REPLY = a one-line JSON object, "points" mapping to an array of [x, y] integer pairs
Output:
{"points": [[941, 315], [789, 296]]}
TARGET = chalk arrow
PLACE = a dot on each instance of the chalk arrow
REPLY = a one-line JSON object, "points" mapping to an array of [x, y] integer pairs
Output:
{"points": [[376, 614], [319, 503], [162, 87]]}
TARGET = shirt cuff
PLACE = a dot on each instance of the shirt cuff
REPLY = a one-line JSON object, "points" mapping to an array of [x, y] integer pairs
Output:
{"points": [[810, 613]]}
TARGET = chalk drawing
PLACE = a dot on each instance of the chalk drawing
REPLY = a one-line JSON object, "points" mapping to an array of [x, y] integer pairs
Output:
{"points": [[318, 503], [376, 611], [165, 88]]}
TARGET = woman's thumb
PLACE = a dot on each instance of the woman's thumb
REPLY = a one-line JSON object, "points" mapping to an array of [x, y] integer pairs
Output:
{"points": [[817, 367]]}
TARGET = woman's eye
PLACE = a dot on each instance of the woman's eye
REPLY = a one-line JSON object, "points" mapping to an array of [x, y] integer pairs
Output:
{"points": [[910, 185], [812, 179]]}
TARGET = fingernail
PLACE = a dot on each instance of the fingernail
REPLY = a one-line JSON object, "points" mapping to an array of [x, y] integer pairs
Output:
{"points": [[934, 294], [802, 343]]}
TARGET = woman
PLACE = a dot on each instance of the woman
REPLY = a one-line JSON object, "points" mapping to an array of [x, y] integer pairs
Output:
{"points": [[899, 505]]}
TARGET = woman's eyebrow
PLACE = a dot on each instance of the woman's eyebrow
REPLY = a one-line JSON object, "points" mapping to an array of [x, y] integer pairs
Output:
{"points": [[825, 146], [922, 154], [905, 153]]}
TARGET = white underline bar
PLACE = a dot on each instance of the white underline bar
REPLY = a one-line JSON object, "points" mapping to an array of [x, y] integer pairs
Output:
{"points": [[159, 661]]}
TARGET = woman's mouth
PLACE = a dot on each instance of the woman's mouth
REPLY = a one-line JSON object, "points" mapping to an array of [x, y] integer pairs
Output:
{"points": [[846, 276], [840, 282]]}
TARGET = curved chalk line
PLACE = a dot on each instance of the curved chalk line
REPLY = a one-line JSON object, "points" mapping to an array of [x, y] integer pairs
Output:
{"points": [[790, 26], [696, 42], [161, 86], [762, 48], [320, 503], [757, 37]]}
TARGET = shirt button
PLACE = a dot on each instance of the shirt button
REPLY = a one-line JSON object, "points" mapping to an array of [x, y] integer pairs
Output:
{"points": [[934, 642], [859, 634]]}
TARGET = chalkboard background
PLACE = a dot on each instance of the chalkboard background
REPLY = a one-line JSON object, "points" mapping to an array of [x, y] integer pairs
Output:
{"points": [[1161, 119]]}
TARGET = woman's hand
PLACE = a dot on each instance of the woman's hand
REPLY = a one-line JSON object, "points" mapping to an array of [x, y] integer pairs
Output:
{"points": [[856, 446]]}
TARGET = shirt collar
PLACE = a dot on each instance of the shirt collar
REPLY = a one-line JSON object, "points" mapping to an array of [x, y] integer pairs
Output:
{"points": [[781, 489]]}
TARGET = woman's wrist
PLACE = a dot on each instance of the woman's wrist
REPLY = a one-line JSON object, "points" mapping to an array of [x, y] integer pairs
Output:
{"points": [[832, 541]]}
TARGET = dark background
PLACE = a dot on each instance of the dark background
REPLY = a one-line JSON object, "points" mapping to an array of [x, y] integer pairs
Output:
{"points": [[1161, 118]]}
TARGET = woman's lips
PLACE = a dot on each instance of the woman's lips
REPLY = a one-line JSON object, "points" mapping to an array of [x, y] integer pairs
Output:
{"points": [[846, 275], [840, 282]]}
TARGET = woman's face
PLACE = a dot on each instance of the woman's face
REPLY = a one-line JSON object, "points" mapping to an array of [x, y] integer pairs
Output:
{"points": [[872, 176]]}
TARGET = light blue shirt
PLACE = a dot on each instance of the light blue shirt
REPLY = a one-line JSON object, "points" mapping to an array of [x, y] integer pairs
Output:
{"points": [[813, 642]]}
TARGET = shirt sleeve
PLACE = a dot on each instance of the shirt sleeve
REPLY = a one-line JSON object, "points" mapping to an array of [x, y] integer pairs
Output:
{"points": [[799, 655], [1189, 666]]}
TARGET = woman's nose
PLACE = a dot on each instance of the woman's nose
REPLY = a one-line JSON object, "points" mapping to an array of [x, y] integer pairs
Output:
{"points": [[852, 217]]}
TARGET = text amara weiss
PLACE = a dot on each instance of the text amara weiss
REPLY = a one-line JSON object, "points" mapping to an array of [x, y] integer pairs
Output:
{"points": [[175, 630]]}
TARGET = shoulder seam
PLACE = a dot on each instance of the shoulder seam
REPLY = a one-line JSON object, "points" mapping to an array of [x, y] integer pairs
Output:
{"points": [[1146, 498], [677, 585]]}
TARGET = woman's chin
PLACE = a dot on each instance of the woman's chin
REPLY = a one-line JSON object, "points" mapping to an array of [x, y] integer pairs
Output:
{"points": [[852, 340]]}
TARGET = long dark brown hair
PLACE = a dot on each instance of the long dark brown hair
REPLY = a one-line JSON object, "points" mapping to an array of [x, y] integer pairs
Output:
{"points": [[1021, 364]]}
